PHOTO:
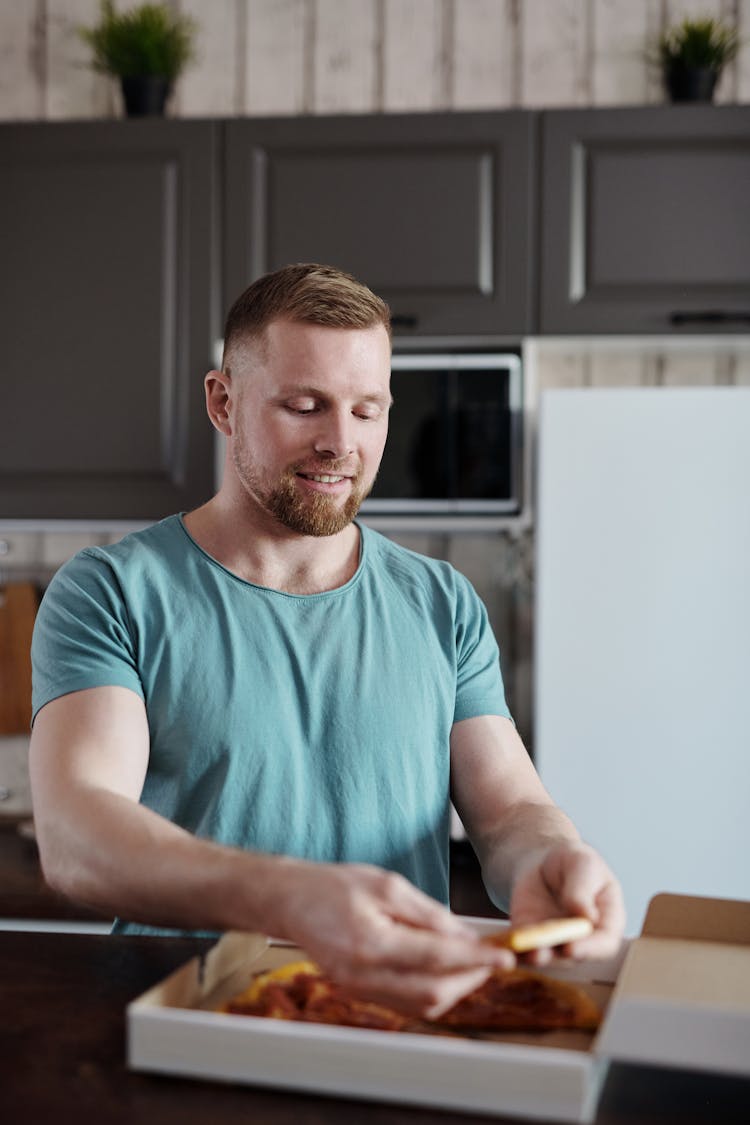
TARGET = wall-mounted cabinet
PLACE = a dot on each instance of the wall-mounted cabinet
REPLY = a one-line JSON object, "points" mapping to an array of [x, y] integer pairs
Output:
{"points": [[106, 291], [646, 220], [435, 212], [124, 242]]}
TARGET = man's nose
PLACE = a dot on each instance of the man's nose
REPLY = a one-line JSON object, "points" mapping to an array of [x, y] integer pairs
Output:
{"points": [[335, 437]]}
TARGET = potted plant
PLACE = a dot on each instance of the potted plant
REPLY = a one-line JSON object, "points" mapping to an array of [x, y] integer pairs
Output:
{"points": [[692, 55], [146, 48]]}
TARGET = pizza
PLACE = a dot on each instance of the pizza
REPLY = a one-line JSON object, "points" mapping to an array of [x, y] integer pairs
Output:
{"points": [[301, 991], [509, 1000], [523, 1000]]}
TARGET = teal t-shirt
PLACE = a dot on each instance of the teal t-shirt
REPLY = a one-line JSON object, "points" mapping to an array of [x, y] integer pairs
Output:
{"points": [[306, 725]]}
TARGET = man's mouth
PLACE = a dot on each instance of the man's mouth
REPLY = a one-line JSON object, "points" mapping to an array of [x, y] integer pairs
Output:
{"points": [[323, 478]]}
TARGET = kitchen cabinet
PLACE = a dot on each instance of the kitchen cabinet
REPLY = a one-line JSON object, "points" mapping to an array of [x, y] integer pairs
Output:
{"points": [[645, 220], [106, 316], [124, 242], [434, 211]]}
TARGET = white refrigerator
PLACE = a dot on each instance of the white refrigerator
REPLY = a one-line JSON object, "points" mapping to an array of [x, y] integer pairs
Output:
{"points": [[642, 631]]}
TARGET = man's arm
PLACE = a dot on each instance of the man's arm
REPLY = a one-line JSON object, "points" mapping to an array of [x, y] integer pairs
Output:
{"points": [[533, 860], [369, 928]]}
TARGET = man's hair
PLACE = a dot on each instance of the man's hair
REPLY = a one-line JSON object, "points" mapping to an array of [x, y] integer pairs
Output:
{"points": [[309, 293]]}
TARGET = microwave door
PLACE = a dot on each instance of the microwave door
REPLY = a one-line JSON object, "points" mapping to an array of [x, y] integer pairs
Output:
{"points": [[453, 444]]}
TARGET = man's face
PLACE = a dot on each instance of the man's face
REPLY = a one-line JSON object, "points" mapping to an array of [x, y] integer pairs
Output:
{"points": [[309, 422]]}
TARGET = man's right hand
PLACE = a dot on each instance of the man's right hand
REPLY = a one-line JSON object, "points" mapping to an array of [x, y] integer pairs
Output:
{"points": [[375, 933]]}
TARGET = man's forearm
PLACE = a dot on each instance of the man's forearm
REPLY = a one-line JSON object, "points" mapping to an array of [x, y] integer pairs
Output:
{"points": [[531, 830], [123, 859]]}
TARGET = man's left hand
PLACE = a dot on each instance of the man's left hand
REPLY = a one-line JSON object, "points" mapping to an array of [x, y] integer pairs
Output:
{"points": [[567, 880]]}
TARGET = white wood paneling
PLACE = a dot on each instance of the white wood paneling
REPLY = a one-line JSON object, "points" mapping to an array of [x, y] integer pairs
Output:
{"points": [[689, 369], [620, 35], [485, 64], [276, 78], [743, 58], [210, 86], [345, 79], [412, 55], [554, 53], [21, 60], [73, 88], [678, 10], [319, 56], [741, 372], [563, 368], [616, 369]]}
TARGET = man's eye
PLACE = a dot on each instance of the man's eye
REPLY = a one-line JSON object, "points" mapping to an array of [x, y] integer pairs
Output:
{"points": [[301, 407]]}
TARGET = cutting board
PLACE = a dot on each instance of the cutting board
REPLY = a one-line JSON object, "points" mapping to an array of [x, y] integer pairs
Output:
{"points": [[18, 605]]}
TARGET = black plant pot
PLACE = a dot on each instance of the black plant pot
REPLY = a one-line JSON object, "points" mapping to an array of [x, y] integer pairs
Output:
{"points": [[691, 83], [145, 95]]}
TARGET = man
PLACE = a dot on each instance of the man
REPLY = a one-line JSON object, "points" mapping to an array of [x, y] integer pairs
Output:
{"points": [[253, 716]]}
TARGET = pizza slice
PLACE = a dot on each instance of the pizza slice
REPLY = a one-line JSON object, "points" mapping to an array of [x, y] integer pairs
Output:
{"points": [[512, 1000], [523, 1000], [300, 991]]}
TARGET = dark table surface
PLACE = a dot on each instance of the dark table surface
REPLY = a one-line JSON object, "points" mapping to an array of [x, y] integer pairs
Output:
{"points": [[62, 1054]]}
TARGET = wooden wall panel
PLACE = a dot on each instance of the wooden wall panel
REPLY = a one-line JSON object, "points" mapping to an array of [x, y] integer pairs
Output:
{"points": [[554, 48], [328, 56], [22, 69], [211, 86], [615, 369], [277, 78], [345, 76], [689, 369], [742, 68], [620, 73], [413, 38], [486, 74], [72, 88]]}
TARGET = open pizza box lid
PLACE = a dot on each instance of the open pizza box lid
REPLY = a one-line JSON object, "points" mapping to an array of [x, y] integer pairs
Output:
{"points": [[174, 1028], [682, 996]]}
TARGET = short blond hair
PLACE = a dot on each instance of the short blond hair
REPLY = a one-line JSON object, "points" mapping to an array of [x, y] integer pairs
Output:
{"points": [[306, 292]]}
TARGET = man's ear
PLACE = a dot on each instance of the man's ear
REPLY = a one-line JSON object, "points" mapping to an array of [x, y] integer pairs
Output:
{"points": [[218, 386]]}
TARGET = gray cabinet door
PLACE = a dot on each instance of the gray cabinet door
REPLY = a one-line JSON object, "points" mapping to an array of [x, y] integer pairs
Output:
{"points": [[433, 211], [646, 220], [105, 319]]}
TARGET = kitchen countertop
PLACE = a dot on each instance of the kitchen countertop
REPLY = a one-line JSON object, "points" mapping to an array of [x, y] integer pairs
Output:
{"points": [[62, 1042]]}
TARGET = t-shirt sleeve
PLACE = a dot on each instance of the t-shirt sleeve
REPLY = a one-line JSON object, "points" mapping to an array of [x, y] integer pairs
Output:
{"points": [[83, 637], [479, 687]]}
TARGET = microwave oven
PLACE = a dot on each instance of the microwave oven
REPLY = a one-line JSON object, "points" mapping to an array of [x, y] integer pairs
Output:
{"points": [[455, 436]]}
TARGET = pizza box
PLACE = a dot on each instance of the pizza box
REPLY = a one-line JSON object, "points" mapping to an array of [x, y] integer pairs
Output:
{"points": [[679, 1003], [682, 997]]}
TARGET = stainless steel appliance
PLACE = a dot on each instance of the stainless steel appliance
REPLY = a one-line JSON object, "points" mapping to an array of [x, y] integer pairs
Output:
{"points": [[455, 444]]}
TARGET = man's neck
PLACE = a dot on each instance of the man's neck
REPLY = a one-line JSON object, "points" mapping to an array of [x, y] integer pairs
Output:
{"points": [[265, 553]]}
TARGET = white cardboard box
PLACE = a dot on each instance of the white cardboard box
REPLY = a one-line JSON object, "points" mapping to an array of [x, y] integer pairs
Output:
{"points": [[553, 1076]]}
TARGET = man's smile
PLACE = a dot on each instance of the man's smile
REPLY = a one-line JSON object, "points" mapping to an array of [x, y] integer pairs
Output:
{"points": [[323, 478]]}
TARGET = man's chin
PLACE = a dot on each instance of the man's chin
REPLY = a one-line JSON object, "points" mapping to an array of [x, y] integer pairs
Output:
{"points": [[318, 516]]}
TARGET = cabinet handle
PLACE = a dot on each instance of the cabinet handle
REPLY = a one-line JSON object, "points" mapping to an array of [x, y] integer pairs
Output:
{"points": [[710, 316], [404, 321]]}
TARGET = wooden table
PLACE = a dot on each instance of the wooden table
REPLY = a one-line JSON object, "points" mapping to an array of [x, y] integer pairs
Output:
{"points": [[62, 1054]]}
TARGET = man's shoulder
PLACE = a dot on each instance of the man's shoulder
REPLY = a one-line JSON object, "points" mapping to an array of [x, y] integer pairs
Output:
{"points": [[408, 564], [159, 541], [124, 562]]}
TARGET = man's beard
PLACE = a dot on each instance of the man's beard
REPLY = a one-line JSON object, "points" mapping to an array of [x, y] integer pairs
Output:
{"points": [[308, 514]]}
